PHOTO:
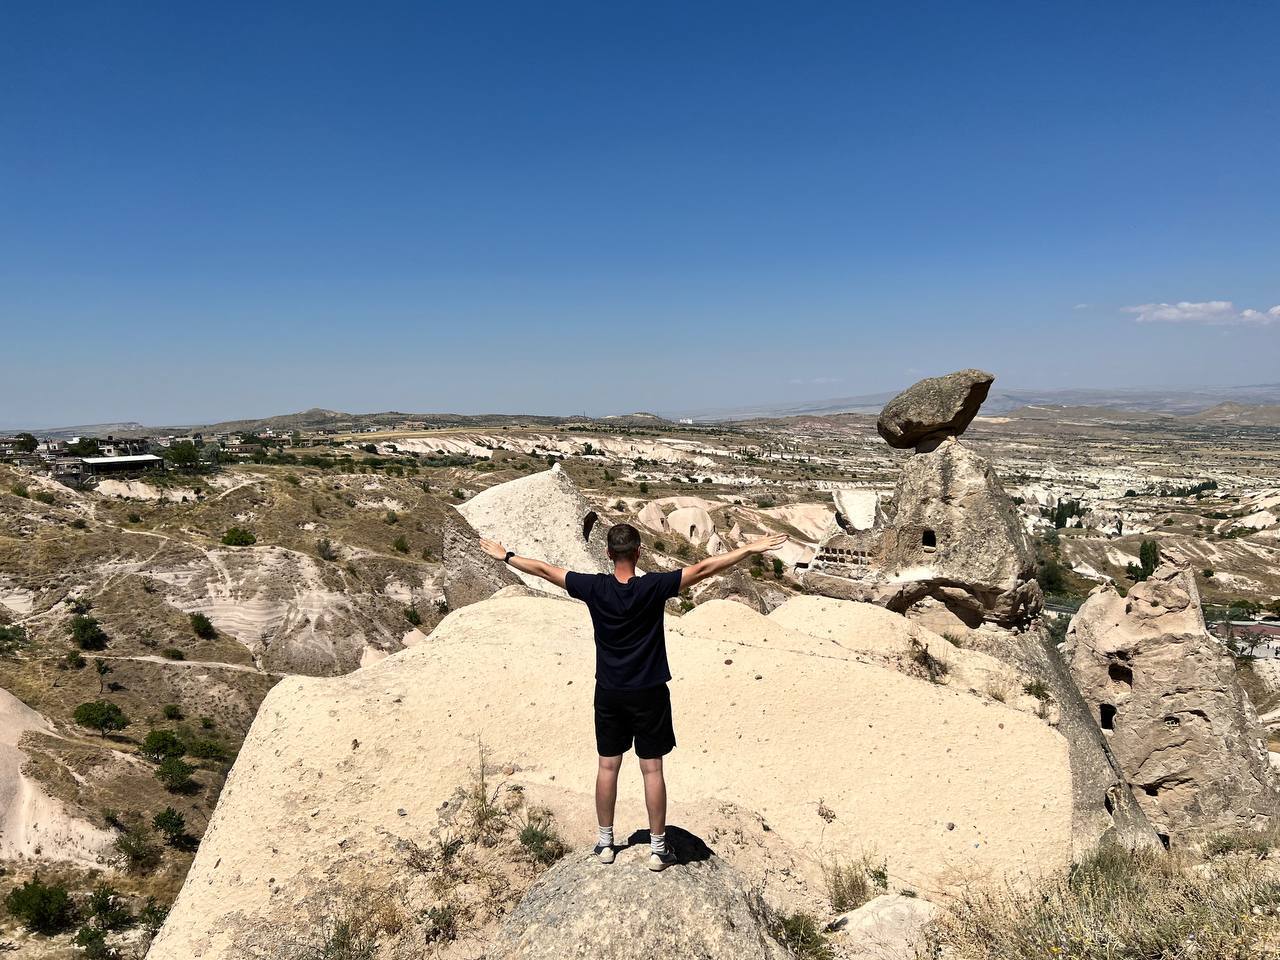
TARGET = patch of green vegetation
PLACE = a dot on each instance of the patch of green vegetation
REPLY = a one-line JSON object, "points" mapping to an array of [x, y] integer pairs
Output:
{"points": [[239, 537], [40, 907]]}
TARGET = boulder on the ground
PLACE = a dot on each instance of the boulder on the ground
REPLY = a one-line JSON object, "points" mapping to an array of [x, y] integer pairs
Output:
{"points": [[470, 574], [1165, 694], [934, 408], [581, 908], [888, 927]]}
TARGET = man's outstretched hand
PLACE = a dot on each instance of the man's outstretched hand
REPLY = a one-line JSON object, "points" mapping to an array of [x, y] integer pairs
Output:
{"points": [[493, 548], [771, 542]]}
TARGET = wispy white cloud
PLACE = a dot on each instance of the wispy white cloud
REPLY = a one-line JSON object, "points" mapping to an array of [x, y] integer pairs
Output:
{"points": [[1209, 313], [1081, 306], [817, 380]]}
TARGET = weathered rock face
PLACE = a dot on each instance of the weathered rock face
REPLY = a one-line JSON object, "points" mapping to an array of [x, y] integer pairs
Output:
{"points": [[1165, 695], [738, 586], [470, 574], [543, 515], [950, 535], [934, 408], [581, 908], [955, 535]]}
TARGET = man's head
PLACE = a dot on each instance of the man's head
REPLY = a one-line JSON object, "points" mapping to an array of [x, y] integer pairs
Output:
{"points": [[624, 543]]}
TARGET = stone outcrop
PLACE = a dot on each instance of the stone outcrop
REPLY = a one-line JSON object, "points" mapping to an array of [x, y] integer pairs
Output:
{"points": [[337, 775], [470, 574], [543, 515], [579, 908], [1165, 695], [933, 409]]}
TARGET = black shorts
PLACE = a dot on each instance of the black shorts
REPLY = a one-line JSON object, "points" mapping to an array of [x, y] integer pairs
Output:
{"points": [[640, 715]]}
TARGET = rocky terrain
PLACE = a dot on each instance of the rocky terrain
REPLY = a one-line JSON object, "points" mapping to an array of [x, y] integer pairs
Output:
{"points": [[391, 712]]}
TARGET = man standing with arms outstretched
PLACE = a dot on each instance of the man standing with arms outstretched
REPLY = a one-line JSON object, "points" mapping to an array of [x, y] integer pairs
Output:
{"points": [[632, 703]]}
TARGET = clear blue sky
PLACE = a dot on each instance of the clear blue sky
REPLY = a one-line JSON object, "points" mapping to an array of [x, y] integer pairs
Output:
{"points": [[229, 209]]}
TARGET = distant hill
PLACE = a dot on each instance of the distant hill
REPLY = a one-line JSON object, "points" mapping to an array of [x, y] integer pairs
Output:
{"points": [[1241, 414]]}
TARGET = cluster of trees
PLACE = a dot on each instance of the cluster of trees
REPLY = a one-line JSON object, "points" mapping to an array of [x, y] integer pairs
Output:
{"points": [[49, 908], [1062, 514], [1148, 560]]}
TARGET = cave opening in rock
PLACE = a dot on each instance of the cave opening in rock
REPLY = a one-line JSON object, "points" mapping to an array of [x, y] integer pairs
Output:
{"points": [[929, 540], [588, 522], [1120, 673], [1107, 716]]}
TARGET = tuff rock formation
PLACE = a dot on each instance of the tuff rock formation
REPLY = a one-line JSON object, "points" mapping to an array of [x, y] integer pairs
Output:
{"points": [[702, 908], [950, 537], [543, 515], [470, 574], [1165, 695], [933, 409]]}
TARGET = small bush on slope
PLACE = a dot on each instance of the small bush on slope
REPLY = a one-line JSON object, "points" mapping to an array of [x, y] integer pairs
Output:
{"points": [[42, 908], [1118, 905]]}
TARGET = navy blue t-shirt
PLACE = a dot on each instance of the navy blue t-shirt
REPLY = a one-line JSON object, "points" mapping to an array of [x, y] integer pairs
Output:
{"points": [[631, 645]]}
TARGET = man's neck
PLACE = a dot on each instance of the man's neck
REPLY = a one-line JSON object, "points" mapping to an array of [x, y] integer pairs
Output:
{"points": [[623, 572]]}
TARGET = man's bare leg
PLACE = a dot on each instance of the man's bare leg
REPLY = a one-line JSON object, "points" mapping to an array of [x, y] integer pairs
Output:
{"points": [[655, 795], [606, 800]]}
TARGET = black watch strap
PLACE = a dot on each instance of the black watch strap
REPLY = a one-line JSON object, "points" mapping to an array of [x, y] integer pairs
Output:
{"points": [[507, 558]]}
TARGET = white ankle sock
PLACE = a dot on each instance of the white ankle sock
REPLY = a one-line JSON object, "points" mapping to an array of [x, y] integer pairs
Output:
{"points": [[606, 837], [658, 843]]}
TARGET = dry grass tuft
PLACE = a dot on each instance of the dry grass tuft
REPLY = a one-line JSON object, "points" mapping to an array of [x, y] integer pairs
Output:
{"points": [[1122, 905]]}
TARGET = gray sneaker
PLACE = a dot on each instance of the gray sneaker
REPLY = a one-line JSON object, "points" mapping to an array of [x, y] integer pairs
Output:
{"points": [[660, 861], [603, 854]]}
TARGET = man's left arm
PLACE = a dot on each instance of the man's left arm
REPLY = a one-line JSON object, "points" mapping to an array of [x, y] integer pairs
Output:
{"points": [[547, 571]]}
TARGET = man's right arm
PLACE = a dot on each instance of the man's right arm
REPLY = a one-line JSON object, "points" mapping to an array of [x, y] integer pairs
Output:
{"points": [[697, 572], [547, 571]]}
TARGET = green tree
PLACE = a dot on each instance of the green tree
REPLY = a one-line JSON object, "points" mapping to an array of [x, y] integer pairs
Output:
{"points": [[239, 537], [172, 824], [1149, 557], [11, 637], [401, 544], [175, 773], [42, 908], [88, 633], [159, 745], [107, 909], [84, 447], [101, 715], [202, 627], [27, 443], [183, 455]]}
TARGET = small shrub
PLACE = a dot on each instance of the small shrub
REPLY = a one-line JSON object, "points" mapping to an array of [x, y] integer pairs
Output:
{"points": [[644, 487], [101, 715], [540, 838], [202, 627], [1223, 844], [172, 824], [206, 748], [206, 723], [1036, 688], [79, 523], [135, 517], [87, 633], [400, 544], [802, 935], [458, 494], [413, 616], [92, 942], [45, 497], [172, 711], [175, 773], [778, 568], [955, 639], [443, 923], [239, 537], [135, 849], [325, 549], [74, 660], [159, 745], [933, 669], [20, 490], [660, 546], [11, 637], [173, 653], [107, 909], [42, 908]]}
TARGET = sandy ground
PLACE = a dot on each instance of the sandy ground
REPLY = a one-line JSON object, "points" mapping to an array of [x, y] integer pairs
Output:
{"points": [[836, 756], [33, 824]]}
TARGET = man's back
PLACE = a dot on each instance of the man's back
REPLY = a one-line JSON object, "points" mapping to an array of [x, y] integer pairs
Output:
{"points": [[631, 647]]}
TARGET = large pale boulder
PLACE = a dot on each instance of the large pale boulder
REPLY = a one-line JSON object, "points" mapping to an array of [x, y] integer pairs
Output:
{"points": [[1176, 720], [337, 775], [579, 908], [545, 516], [934, 408]]}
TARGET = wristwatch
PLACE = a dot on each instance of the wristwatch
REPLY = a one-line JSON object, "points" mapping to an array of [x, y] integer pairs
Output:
{"points": [[507, 558]]}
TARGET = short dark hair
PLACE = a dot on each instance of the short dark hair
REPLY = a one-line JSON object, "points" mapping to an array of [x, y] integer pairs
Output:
{"points": [[624, 541]]}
